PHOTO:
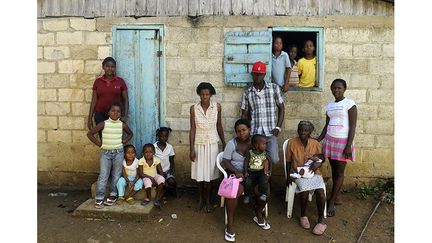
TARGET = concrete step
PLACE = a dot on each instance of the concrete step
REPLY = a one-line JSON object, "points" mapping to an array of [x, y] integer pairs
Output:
{"points": [[140, 195], [134, 211]]}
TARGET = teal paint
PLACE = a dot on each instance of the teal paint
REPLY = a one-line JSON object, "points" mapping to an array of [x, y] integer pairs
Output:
{"points": [[135, 49], [242, 50]]}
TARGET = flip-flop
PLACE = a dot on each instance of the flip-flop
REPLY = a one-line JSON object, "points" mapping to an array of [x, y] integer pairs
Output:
{"points": [[304, 222], [145, 202], [130, 200], [319, 229], [229, 237], [264, 226]]}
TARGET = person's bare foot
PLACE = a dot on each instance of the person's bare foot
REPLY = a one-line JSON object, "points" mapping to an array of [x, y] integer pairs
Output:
{"points": [[200, 206], [208, 208]]}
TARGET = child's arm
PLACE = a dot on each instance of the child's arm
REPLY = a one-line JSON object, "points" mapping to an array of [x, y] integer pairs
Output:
{"points": [[95, 130], [159, 169], [128, 132], [124, 175], [136, 177], [172, 163], [141, 171], [286, 78], [219, 126], [267, 169], [324, 131]]}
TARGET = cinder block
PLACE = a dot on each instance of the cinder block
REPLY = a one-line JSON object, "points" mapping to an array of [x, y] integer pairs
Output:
{"points": [[172, 50], [179, 35], [57, 108], [56, 53], [80, 137], [381, 96], [103, 52], [332, 65], [82, 80], [83, 24], [71, 95], [48, 122], [215, 50], [377, 155], [365, 81], [80, 109], [71, 66], [41, 81], [367, 50], [179, 64], [70, 38], [56, 80], [76, 123], [88, 95], [384, 141], [383, 35], [41, 136], [387, 81], [231, 110], [180, 124], [60, 136], [331, 35], [358, 95], [41, 108], [55, 24], [192, 50], [84, 52], [97, 38], [355, 35], [381, 66], [45, 39], [388, 50], [366, 111], [338, 50], [379, 127], [353, 66], [46, 67], [386, 112], [47, 95], [93, 67], [364, 140], [39, 52], [208, 65]]}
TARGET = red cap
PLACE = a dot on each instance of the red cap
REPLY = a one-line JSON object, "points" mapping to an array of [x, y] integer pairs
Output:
{"points": [[259, 67]]}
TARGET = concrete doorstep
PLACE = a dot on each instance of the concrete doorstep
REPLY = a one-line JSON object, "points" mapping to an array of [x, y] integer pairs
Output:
{"points": [[133, 211]]}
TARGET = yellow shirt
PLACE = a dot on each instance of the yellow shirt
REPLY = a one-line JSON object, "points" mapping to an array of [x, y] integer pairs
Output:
{"points": [[150, 170], [307, 69]]}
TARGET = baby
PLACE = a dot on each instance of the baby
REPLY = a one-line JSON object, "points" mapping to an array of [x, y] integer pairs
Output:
{"points": [[303, 171]]}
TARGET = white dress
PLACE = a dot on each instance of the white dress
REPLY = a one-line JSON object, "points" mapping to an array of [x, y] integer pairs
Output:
{"points": [[206, 144]]}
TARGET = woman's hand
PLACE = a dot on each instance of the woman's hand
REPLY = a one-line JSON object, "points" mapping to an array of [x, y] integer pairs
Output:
{"points": [[275, 132], [314, 166], [192, 155], [239, 175], [347, 153], [89, 124], [289, 180]]}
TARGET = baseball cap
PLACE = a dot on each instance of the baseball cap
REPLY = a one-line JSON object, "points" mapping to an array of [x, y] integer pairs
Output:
{"points": [[259, 67]]}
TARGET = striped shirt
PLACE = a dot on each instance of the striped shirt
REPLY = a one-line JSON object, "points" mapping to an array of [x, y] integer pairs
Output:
{"points": [[263, 107], [112, 134]]}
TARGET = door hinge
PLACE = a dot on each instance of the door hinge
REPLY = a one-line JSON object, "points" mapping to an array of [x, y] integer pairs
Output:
{"points": [[159, 53]]}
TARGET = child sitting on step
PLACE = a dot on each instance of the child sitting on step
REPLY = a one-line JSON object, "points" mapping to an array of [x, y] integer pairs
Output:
{"points": [[130, 177], [150, 170]]}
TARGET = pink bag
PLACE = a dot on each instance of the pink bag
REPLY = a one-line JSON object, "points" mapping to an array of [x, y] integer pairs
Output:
{"points": [[229, 187]]}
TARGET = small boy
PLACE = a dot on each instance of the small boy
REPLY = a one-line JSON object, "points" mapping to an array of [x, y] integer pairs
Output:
{"points": [[256, 168], [307, 66], [281, 65]]}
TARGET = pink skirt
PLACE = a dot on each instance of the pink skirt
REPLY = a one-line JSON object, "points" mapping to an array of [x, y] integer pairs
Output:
{"points": [[333, 148]]}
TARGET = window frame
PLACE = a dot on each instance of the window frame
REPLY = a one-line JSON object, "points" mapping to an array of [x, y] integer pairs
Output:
{"points": [[319, 54]]}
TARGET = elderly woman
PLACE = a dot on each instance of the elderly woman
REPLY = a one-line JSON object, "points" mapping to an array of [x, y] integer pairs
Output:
{"points": [[233, 162], [300, 150]]}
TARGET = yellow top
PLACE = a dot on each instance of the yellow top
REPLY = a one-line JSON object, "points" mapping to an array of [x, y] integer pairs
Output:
{"points": [[307, 70], [150, 170]]}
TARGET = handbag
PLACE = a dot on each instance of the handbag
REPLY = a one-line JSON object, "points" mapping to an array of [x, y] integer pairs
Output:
{"points": [[229, 187]]}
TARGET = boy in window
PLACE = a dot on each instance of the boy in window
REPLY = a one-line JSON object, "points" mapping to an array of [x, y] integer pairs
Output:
{"points": [[307, 66], [281, 65]]}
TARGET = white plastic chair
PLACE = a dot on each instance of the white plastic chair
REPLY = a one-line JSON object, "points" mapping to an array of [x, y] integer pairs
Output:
{"points": [[290, 190], [218, 164]]}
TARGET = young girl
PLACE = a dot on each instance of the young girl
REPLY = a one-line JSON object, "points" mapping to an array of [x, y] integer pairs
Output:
{"points": [[130, 177], [165, 152], [107, 89], [256, 168], [205, 132], [111, 153], [150, 170], [338, 138], [281, 66], [294, 77], [307, 66]]}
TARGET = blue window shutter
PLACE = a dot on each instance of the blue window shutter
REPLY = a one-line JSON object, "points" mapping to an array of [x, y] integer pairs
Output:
{"points": [[242, 50]]}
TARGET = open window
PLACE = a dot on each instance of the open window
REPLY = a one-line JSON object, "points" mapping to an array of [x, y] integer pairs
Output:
{"points": [[242, 49]]}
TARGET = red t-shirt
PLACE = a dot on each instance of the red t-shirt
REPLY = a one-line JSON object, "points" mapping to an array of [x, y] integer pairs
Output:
{"points": [[108, 92]]}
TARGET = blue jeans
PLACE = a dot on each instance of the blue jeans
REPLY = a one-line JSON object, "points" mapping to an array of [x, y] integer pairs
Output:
{"points": [[121, 184], [111, 163], [254, 178], [272, 148]]}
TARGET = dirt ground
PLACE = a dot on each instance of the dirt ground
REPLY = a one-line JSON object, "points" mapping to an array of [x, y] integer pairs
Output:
{"points": [[56, 223]]}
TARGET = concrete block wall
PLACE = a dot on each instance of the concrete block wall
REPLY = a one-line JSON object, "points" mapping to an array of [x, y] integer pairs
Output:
{"points": [[70, 51]]}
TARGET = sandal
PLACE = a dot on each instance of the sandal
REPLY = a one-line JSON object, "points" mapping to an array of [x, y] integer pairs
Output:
{"points": [[229, 237], [157, 203], [304, 222], [145, 202], [130, 200], [319, 228], [264, 226], [120, 200]]}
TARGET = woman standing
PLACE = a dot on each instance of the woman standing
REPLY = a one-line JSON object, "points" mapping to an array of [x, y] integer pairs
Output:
{"points": [[205, 132], [338, 138], [107, 90]]}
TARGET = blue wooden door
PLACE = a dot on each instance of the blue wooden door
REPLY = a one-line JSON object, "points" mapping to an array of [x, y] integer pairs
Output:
{"points": [[242, 50], [137, 52]]}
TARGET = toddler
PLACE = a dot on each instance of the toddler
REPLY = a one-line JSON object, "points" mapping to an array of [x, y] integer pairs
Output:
{"points": [[151, 171], [130, 177]]}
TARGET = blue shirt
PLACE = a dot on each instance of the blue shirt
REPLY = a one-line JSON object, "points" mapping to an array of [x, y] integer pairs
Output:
{"points": [[279, 65]]}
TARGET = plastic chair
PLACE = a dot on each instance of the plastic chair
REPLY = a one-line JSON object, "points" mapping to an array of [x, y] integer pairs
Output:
{"points": [[222, 202], [290, 190]]}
